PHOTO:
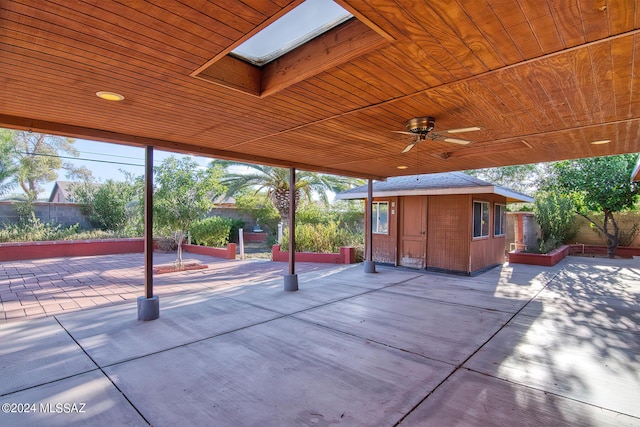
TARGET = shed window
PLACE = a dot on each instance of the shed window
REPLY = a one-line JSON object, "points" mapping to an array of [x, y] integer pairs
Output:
{"points": [[480, 219], [380, 218], [499, 220]]}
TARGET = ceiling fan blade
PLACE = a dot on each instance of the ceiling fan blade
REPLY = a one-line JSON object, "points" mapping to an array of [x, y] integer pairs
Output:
{"points": [[457, 141], [403, 132], [409, 147], [462, 130]]}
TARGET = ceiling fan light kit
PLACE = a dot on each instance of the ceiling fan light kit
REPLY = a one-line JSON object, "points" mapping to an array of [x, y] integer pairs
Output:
{"points": [[420, 125], [421, 129]]}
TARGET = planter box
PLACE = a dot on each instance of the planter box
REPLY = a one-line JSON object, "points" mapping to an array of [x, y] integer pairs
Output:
{"points": [[171, 268], [622, 251], [254, 237], [555, 256], [347, 255], [69, 248], [544, 260], [228, 253]]}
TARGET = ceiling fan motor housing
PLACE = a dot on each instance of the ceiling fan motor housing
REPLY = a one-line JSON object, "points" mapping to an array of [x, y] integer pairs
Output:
{"points": [[421, 124]]}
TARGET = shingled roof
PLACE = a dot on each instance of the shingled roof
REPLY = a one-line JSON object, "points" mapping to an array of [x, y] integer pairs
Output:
{"points": [[433, 184], [62, 188]]}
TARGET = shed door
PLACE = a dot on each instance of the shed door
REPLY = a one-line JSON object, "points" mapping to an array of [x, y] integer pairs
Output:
{"points": [[413, 232]]}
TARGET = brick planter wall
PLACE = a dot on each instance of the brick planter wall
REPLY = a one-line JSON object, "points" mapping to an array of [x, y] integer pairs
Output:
{"points": [[347, 255], [544, 260], [254, 237], [554, 257], [228, 253], [69, 248]]}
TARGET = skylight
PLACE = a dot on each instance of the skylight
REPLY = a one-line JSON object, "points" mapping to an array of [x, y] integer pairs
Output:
{"points": [[307, 21]]}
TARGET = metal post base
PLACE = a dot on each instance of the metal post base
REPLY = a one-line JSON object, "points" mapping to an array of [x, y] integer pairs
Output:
{"points": [[290, 282], [369, 267], [148, 308]]}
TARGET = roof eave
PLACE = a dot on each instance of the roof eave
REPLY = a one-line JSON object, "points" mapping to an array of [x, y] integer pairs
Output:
{"points": [[635, 175], [512, 196]]}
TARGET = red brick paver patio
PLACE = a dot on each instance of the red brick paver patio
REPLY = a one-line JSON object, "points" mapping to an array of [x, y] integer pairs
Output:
{"points": [[45, 287]]}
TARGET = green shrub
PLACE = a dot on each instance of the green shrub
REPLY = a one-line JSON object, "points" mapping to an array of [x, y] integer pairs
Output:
{"points": [[322, 238], [312, 213], [555, 215], [165, 243], [346, 214], [212, 231], [35, 230], [236, 224], [25, 210], [97, 234], [260, 208], [350, 213], [106, 205]]}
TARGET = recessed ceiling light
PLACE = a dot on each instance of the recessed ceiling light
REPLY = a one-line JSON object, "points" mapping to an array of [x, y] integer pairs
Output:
{"points": [[603, 141], [402, 167], [109, 96]]}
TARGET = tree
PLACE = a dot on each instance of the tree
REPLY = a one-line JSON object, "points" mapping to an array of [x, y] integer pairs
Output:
{"points": [[7, 167], [598, 184], [106, 205], [522, 178], [555, 214], [259, 207], [183, 194], [37, 158], [276, 183]]}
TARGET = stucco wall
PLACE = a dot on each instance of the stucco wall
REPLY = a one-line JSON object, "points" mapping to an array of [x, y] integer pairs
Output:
{"points": [[586, 234]]}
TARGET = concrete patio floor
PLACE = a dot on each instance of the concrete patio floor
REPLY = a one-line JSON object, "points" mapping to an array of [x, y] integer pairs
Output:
{"points": [[517, 345]]}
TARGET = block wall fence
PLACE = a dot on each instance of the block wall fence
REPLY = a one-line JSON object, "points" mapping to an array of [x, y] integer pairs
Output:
{"points": [[67, 214]]}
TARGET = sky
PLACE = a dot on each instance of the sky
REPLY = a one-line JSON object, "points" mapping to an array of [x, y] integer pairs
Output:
{"points": [[107, 161], [306, 21]]}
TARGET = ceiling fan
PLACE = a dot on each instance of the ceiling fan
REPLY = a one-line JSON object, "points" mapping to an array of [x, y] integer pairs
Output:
{"points": [[421, 129]]}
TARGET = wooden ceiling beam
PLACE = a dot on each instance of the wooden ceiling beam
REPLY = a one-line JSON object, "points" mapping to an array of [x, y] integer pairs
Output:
{"points": [[337, 46], [52, 128], [345, 42]]}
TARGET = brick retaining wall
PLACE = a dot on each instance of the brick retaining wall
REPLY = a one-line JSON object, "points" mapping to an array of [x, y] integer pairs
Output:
{"points": [[347, 255]]}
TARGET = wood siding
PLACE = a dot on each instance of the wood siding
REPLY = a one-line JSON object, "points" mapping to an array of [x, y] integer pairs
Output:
{"points": [[487, 251], [449, 245], [449, 232], [385, 246], [412, 231]]}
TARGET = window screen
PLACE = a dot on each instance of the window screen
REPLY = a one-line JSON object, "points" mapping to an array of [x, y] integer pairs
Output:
{"points": [[480, 219]]}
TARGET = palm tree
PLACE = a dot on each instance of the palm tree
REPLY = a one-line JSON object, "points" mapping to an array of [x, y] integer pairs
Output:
{"points": [[7, 167], [276, 182]]}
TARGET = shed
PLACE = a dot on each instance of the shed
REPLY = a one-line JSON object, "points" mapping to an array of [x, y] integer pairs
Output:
{"points": [[450, 222]]}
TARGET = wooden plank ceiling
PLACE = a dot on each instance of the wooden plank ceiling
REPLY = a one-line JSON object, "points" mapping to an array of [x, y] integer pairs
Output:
{"points": [[543, 79]]}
